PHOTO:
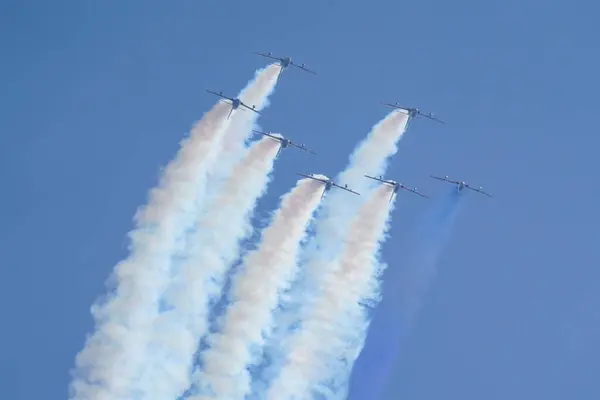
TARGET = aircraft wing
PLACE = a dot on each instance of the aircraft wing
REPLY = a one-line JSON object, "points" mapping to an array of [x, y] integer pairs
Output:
{"points": [[478, 190], [393, 105], [445, 179], [267, 134], [250, 108], [377, 179], [302, 148], [312, 177], [345, 188], [303, 67], [431, 117], [219, 94], [267, 56], [415, 191]]}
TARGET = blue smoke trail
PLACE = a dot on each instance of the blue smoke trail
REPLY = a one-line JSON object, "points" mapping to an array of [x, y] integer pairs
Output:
{"points": [[404, 288]]}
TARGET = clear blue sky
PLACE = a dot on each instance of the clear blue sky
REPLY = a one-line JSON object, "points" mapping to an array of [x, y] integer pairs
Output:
{"points": [[96, 96]]}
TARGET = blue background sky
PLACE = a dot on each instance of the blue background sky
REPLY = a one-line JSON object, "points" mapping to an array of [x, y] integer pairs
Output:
{"points": [[97, 96]]}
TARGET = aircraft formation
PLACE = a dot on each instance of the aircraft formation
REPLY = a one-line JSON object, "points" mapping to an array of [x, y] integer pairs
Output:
{"points": [[286, 62]]}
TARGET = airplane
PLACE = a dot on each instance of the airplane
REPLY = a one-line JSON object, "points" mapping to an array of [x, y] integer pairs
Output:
{"points": [[328, 184], [285, 62], [462, 185], [396, 186], [284, 142], [235, 103], [413, 112]]}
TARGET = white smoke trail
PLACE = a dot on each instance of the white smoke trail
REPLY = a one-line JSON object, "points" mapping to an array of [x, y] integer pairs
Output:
{"points": [[255, 293], [243, 121], [336, 322], [337, 209], [213, 247], [369, 158], [107, 366]]}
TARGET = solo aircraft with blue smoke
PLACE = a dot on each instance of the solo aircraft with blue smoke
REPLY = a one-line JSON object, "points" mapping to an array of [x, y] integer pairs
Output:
{"points": [[462, 185]]}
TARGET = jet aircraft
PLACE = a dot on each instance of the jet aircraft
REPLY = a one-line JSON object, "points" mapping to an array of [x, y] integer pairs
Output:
{"points": [[397, 186], [235, 103], [462, 185], [328, 184], [413, 112], [285, 62], [285, 143]]}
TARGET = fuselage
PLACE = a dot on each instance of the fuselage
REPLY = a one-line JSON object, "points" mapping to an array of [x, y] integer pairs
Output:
{"points": [[285, 143], [235, 103], [328, 185], [285, 62], [393, 184]]}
